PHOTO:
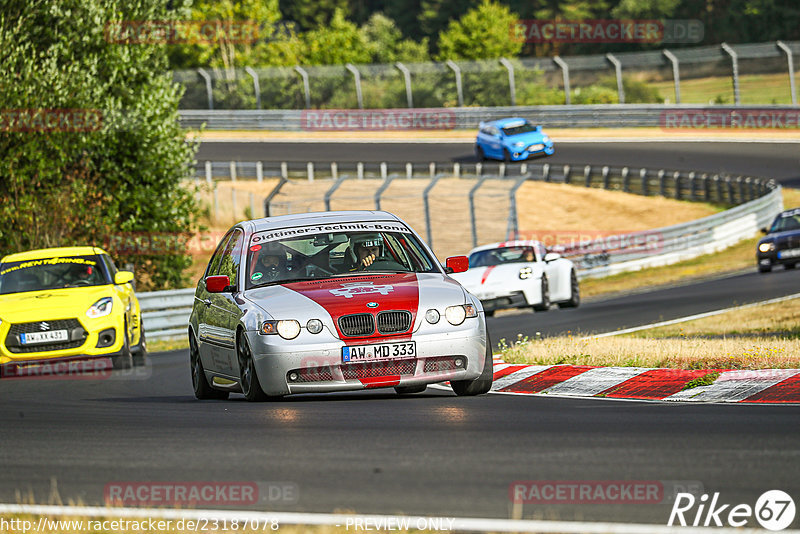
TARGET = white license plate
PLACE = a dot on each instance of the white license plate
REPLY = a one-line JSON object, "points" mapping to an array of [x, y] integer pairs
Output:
{"points": [[365, 353], [792, 253], [534, 148], [43, 337]]}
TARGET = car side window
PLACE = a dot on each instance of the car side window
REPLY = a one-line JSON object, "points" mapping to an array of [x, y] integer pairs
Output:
{"points": [[110, 267], [213, 264], [232, 257]]}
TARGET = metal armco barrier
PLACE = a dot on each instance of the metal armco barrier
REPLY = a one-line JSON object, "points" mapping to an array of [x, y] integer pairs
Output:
{"points": [[165, 314]]}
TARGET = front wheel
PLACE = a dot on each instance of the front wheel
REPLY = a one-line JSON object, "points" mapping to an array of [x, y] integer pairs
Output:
{"points": [[506, 155], [544, 305], [140, 356], [248, 377], [575, 292], [124, 360], [482, 384], [764, 268]]}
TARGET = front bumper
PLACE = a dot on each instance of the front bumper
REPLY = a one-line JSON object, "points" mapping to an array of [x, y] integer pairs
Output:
{"points": [[778, 257], [546, 149], [322, 370]]}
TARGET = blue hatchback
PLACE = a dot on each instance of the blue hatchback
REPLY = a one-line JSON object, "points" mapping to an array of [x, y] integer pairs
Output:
{"points": [[513, 139]]}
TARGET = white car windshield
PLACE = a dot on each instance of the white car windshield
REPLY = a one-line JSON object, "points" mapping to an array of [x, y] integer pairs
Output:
{"points": [[325, 255], [497, 256]]}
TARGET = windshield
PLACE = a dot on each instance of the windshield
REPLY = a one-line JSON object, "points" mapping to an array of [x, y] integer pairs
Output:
{"points": [[786, 222], [51, 273], [496, 256], [517, 129], [275, 257]]}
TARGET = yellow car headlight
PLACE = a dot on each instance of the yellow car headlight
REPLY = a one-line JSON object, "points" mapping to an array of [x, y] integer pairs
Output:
{"points": [[101, 308]]}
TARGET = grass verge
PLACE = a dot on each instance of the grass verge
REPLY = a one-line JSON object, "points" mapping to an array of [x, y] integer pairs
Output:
{"points": [[163, 345]]}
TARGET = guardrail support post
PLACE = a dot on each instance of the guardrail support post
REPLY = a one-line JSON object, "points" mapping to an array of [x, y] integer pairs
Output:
{"points": [[425, 194], [567, 171], [790, 61], [380, 191], [209, 91], [545, 172], [407, 77], [512, 86], [706, 188], [256, 86], [273, 193], [676, 75], [512, 229], [233, 171], [523, 168], [676, 177], [618, 69], [259, 172], [478, 168], [692, 177], [472, 210], [626, 180], [457, 169], [310, 171], [502, 169], [334, 170], [459, 90], [643, 176], [587, 176], [360, 170], [717, 187], [357, 79], [661, 188], [209, 175], [329, 193], [384, 170], [735, 68], [605, 177], [565, 73], [432, 168], [409, 170], [740, 189], [306, 86]]}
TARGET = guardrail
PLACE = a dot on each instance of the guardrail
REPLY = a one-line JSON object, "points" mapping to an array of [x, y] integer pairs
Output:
{"points": [[587, 116], [757, 200]]}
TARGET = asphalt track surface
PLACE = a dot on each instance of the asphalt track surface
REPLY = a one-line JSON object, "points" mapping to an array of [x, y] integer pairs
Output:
{"points": [[434, 453], [775, 160]]}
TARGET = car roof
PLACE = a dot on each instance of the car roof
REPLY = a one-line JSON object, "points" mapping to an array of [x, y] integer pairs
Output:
{"points": [[502, 123], [504, 244], [58, 252], [321, 217]]}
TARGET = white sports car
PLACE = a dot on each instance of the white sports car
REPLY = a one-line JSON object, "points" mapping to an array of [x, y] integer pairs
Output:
{"points": [[333, 301], [519, 274]]}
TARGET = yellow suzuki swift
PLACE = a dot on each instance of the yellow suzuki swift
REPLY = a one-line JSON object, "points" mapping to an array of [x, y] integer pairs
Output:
{"points": [[68, 303]]}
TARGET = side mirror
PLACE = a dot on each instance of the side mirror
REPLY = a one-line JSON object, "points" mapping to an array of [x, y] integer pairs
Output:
{"points": [[456, 264], [217, 284], [765, 230], [551, 256], [123, 277]]}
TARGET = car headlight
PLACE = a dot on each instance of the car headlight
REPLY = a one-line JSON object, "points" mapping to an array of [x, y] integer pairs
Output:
{"points": [[456, 314], [766, 247], [432, 316], [525, 273], [314, 326], [519, 145], [288, 329], [101, 308]]}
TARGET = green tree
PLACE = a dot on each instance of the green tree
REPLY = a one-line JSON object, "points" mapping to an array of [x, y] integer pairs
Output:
{"points": [[94, 181], [386, 44], [482, 33], [337, 43], [312, 14]]}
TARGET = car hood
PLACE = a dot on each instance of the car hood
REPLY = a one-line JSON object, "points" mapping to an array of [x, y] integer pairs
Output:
{"points": [[783, 237], [51, 304], [527, 138], [503, 275], [358, 294]]}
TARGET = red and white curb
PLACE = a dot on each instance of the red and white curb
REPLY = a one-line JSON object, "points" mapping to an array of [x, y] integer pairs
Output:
{"points": [[761, 386]]}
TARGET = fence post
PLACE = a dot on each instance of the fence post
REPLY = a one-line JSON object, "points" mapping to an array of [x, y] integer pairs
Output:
{"points": [[677, 179], [330, 191], [360, 170], [334, 170], [407, 77], [643, 176], [209, 91], [512, 229], [209, 175], [233, 171], [425, 194], [790, 61], [259, 171], [457, 70], [661, 189], [618, 69], [457, 169], [545, 172], [472, 210], [735, 67], [676, 75], [512, 86], [306, 86], [587, 176], [605, 177], [502, 169], [273, 193], [256, 86], [565, 73], [409, 170], [381, 189], [478, 168], [284, 170], [432, 168], [357, 79], [310, 171], [523, 168], [567, 170], [625, 180]]}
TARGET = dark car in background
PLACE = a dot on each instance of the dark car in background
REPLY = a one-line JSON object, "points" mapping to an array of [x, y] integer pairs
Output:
{"points": [[781, 245]]}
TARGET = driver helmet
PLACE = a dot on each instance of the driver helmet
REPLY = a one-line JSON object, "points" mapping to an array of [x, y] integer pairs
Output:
{"points": [[270, 268], [368, 240]]}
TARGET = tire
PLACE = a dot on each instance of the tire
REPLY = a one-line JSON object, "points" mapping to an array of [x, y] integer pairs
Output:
{"points": [[789, 266], [506, 155], [479, 153], [409, 390], [489, 313], [202, 389], [140, 356], [545, 304], [124, 360], [764, 268], [575, 292], [248, 377], [482, 384]]}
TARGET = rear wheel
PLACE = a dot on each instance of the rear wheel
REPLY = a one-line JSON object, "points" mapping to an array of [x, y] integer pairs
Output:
{"points": [[479, 153], [544, 305], [202, 389], [789, 266], [575, 292], [482, 384], [248, 377], [140, 355], [408, 390]]}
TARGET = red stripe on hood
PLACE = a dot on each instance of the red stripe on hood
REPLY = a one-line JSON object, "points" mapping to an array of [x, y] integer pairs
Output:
{"points": [[344, 296], [486, 273]]}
